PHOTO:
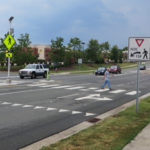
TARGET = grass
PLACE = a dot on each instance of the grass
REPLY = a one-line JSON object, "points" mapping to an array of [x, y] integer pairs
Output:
{"points": [[111, 134]]}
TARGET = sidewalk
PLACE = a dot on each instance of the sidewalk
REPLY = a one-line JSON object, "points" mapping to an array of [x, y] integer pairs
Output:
{"points": [[141, 141]]}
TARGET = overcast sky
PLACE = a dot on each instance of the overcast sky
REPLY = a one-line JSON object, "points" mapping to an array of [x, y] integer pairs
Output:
{"points": [[105, 20]]}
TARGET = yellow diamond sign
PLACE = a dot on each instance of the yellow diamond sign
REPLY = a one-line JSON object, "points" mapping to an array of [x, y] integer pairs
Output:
{"points": [[9, 41]]}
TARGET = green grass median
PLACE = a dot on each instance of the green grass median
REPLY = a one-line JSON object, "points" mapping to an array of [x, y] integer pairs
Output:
{"points": [[112, 133]]}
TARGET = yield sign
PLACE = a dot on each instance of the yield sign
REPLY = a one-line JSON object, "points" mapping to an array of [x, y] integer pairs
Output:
{"points": [[139, 41]]}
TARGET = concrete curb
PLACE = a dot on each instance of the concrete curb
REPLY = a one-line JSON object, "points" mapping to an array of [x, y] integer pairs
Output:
{"points": [[73, 130]]}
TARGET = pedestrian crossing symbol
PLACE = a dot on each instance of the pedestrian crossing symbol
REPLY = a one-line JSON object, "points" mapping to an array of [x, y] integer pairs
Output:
{"points": [[9, 41]]}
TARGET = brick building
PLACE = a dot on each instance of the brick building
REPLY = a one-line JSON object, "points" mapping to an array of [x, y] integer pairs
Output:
{"points": [[42, 50]]}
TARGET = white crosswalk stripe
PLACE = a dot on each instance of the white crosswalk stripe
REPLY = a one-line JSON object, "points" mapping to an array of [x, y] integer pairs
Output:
{"points": [[59, 87], [117, 91], [131, 93], [6, 103], [14, 105], [74, 88], [102, 90], [27, 106], [50, 109]]}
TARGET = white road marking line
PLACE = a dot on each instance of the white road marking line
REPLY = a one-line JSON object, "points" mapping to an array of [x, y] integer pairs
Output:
{"points": [[50, 85], [131, 93], [93, 97], [117, 91], [101, 90], [27, 106], [92, 88], [14, 105], [83, 89], [50, 109], [89, 114], [74, 88], [68, 95], [76, 112], [39, 107], [40, 84], [34, 90], [63, 110], [6, 103], [59, 87]]}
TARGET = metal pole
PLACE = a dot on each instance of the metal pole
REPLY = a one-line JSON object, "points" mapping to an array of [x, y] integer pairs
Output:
{"points": [[137, 94], [9, 80]]}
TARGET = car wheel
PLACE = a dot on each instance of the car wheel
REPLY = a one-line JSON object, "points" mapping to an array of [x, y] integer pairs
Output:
{"points": [[21, 77], [33, 76]]}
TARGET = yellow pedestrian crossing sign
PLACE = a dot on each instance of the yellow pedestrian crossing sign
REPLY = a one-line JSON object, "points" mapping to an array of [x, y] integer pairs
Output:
{"points": [[8, 54], [9, 41]]}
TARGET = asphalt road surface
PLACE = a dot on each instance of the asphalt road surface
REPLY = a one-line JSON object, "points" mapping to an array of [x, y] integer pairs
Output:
{"points": [[32, 109]]}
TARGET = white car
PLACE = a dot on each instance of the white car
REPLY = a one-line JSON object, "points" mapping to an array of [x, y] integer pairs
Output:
{"points": [[33, 70]]}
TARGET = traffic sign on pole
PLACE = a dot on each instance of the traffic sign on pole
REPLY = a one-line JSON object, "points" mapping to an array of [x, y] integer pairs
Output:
{"points": [[8, 54], [139, 49], [9, 41]]}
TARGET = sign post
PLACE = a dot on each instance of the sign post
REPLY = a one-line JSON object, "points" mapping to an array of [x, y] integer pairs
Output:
{"points": [[9, 42], [138, 50]]}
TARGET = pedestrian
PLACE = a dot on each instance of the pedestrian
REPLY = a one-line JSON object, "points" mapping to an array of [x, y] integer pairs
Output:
{"points": [[106, 78]]}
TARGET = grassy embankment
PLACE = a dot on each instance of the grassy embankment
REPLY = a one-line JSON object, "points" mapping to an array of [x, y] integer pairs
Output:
{"points": [[111, 134]]}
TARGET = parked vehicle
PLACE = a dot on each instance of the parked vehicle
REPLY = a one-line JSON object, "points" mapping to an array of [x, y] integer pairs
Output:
{"points": [[142, 67], [33, 70], [115, 69], [46, 67], [100, 71]]}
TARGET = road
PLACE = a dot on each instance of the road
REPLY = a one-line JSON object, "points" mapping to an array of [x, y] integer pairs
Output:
{"points": [[31, 110]]}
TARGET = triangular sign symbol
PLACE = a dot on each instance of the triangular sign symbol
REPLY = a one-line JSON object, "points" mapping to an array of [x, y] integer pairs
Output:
{"points": [[139, 41]]}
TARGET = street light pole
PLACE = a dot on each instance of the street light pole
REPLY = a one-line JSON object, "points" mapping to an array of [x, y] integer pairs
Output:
{"points": [[9, 80]]}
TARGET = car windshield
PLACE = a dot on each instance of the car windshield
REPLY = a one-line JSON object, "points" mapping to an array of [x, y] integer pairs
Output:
{"points": [[101, 68], [113, 67], [30, 66], [45, 66]]}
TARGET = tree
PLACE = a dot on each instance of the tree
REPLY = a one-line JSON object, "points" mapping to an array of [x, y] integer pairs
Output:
{"points": [[114, 53], [92, 50], [105, 48], [57, 50], [23, 53], [75, 43], [120, 56]]}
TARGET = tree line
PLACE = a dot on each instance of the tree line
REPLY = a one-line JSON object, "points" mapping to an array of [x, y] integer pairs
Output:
{"points": [[94, 52]]}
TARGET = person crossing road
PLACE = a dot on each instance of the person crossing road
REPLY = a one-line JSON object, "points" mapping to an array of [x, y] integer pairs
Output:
{"points": [[106, 78]]}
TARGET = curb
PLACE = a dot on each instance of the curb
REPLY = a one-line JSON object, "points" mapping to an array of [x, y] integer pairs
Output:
{"points": [[77, 128]]}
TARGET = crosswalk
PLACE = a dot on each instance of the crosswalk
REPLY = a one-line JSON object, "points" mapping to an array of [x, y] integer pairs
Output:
{"points": [[83, 88]]}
